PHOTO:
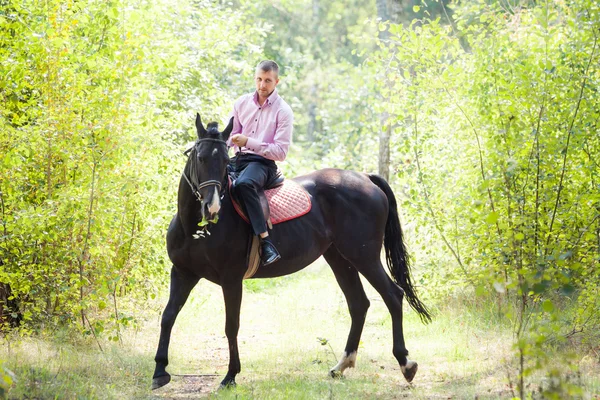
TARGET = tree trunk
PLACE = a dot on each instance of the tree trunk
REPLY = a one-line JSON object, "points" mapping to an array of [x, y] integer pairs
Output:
{"points": [[383, 15], [312, 114], [10, 315], [385, 130], [384, 147], [312, 106], [396, 9]]}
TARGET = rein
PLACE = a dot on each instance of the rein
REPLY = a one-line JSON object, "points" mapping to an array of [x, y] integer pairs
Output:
{"points": [[210, 182]]}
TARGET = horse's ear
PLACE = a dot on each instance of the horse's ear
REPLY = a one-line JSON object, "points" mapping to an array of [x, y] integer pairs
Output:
{"points": [[225, 134], [199, 127]]}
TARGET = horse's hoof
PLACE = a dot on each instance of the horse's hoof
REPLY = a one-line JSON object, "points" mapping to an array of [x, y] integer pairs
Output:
{"points": [[160, 381], [410, 370], [335, 374], [227, 383]]}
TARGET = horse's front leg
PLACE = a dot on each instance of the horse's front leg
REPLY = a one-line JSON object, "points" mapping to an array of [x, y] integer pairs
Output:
{"points": [[233, 301], [181, 286]]}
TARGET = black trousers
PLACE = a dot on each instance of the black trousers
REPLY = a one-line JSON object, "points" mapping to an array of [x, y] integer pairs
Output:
{"points": [[253, 172]]}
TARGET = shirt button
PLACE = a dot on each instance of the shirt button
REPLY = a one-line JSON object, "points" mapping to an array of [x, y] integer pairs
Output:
{"points": [[255, 120]]}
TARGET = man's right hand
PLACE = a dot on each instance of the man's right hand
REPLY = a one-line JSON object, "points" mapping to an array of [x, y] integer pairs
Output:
{"points": [[239, 139]]}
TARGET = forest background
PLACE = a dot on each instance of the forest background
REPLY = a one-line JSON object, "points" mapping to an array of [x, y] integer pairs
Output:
{"points": [[482, 115]]}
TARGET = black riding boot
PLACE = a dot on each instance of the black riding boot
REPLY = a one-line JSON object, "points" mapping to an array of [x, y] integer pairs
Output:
{"points": [[269, 253]]}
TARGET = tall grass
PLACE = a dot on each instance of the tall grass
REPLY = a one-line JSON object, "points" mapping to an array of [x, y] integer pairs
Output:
{"points": [[465, 353]]}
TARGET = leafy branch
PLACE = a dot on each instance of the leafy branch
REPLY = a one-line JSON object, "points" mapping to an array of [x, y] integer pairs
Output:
{"points": [[569, 134], [479, 152], [432, 214]]}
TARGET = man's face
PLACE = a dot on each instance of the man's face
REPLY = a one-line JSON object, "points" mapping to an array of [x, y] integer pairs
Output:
{"points": [[265, 82]]}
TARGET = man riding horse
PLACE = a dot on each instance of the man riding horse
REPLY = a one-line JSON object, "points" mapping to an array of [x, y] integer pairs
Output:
{"points": [[351, 218], [261, 135]]}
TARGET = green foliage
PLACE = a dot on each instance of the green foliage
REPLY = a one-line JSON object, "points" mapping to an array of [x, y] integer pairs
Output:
{"points": [[494, 108], [98, 97], [499, 145]]}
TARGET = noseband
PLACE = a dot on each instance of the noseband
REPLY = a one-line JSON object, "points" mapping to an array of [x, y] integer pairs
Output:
{"points": [[210, 182]]}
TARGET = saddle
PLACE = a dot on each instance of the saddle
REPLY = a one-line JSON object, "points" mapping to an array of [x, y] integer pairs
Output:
{"points": [[281, 200], [275, 181]]}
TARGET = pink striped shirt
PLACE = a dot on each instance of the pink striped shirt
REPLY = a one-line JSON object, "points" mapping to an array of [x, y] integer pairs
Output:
{"points": [[268, 127]]}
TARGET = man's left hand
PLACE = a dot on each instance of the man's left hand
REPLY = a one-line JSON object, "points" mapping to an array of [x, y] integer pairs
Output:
{"points": [[239, 139]]}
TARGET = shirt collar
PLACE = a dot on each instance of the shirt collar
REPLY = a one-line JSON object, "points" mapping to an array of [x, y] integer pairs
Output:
{"points": [[270, 100]]}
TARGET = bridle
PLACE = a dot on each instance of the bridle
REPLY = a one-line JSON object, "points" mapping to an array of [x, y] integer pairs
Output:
{"points": [[210, 182]]}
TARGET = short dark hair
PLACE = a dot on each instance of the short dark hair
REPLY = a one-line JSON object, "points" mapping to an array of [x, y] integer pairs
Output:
{"points": [[268, 65]]}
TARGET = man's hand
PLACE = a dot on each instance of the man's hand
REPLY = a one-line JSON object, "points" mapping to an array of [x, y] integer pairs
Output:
{"points": [[239, 139]]}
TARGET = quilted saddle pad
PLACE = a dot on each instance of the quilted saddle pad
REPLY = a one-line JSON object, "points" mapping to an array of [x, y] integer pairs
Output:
{"points": [[286, 202]]}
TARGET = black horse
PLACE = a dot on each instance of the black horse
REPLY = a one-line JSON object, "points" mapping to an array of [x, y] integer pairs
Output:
{"points": [[352, 216]]}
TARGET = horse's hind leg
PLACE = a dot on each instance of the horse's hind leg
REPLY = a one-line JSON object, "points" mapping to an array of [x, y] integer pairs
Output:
{"points": [[358, 304], [368, 263], [181, 286]]}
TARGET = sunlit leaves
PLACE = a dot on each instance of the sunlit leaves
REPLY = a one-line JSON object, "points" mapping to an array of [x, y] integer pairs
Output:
{"points": [[504, 179], [90, 144], [492, 218]]}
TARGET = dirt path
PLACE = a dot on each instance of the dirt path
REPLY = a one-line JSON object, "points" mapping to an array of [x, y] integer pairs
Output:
{"points": [[188, 387], [459, 355]]}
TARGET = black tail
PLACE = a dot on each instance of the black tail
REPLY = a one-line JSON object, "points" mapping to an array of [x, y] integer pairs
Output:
{"points": [[395, 251]]}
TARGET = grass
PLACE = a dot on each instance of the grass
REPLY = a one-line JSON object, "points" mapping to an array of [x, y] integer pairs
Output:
{"points": [[465, 353]]}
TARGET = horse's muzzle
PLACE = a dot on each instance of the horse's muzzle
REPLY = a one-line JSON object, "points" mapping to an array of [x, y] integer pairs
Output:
{"points": [[211, 209]]}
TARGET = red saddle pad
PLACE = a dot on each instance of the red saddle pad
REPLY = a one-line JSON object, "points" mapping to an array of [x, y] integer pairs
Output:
{"points": [[286, 202]]}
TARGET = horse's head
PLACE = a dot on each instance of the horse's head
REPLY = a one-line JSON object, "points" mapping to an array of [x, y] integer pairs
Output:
{"points": [[207, 165]]}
